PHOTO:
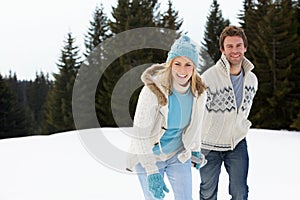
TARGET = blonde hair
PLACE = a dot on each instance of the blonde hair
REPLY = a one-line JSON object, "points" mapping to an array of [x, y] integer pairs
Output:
{"points": [[197, 86]]}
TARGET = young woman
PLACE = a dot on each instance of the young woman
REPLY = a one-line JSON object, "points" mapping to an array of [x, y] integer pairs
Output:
{"points": [[167, 124]]}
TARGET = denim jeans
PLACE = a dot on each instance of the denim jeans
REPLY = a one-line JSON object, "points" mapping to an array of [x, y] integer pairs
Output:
{"points": [[236, 163], [179, 175]]}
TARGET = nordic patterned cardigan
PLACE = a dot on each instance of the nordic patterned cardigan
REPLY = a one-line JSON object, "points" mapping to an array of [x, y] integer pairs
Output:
{"points": [[225, 125]]}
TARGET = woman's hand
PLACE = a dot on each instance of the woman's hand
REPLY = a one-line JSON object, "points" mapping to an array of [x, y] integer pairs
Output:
{"points": [[157, 186], [198, 159]]}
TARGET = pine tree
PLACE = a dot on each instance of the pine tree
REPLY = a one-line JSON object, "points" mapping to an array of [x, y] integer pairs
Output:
{"points": [[296, 122], [287, 64], [214, 26], [12, 82], [126, 15], [36, 92], [96, 55], [24, 104], [295, 76], [254, 13], [169, 19], [132, 14], [120, 14], [12, 116], [58, 111], [245, 15], [99, 30], [273, 48], [298, 16]]}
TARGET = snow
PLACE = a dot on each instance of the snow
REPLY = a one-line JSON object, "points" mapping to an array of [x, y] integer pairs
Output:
{"points": [[61, 167]]}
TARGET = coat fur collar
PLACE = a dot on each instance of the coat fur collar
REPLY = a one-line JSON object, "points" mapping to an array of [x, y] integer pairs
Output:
{"points": [[152, 78]]}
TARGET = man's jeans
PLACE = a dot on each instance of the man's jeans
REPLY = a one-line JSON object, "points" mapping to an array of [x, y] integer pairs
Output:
{"points": [[179, 175], [236, 163]]}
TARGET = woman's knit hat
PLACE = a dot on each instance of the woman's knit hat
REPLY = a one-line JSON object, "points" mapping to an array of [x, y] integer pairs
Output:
{"points": [[184, 47]]}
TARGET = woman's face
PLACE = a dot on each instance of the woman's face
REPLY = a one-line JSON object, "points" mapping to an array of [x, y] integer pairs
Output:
{"points": [[182, 70]]}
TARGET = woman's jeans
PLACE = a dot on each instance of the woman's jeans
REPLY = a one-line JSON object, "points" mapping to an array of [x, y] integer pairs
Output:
{"points": [[179, 175], [236, 163]]}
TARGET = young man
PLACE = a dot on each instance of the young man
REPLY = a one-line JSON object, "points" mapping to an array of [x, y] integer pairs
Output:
{"points": [[231, 87]]}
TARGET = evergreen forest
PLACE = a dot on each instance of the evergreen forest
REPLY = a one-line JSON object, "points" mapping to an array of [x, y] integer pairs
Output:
{"points": [[43, 106]]}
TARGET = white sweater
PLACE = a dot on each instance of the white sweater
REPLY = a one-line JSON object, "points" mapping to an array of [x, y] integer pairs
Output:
{"points": [[150, 121], [225, 125]]}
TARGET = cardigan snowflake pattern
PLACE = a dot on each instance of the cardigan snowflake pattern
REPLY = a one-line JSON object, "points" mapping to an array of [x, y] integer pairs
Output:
{"points": [[225, 125]]}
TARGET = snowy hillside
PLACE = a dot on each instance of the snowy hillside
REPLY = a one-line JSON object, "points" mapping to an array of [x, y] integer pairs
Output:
{"points": [[60, 167]]}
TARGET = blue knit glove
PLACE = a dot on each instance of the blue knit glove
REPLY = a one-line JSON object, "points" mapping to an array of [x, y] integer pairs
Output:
{"points": [[198, 159], [157, 186]]}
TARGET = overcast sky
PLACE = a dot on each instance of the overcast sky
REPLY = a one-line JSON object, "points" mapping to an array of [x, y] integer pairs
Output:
{"points": [[33, 31]]}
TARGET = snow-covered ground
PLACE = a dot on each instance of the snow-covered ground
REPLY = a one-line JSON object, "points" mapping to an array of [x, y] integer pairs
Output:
{"points": [[60, 167]]}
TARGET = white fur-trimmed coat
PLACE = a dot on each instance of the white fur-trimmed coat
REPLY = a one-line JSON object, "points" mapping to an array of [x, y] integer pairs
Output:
{"points": [[150, 122]]}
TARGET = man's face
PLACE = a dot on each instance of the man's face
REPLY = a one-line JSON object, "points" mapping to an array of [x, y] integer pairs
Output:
{"points": [[234, 50]]}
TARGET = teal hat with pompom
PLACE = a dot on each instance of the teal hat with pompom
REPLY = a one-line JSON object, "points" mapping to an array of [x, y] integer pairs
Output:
{"points": [[184, 47]]}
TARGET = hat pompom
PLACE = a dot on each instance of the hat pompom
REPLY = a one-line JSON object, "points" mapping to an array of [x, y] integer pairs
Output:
{"points": [[186, 38]]}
